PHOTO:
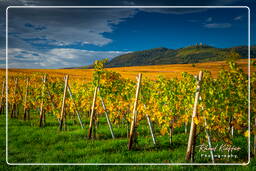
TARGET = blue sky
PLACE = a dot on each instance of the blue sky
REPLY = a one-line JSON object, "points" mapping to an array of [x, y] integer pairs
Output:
{"points": [[58, 38], [216, 27]]}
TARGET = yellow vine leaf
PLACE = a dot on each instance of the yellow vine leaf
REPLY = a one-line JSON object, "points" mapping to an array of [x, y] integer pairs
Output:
{"points": [[163, 131], [246, 133], [196, 120]]}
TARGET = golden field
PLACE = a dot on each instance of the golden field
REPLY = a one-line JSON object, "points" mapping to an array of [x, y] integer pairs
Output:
{"points": [[152, 71]]}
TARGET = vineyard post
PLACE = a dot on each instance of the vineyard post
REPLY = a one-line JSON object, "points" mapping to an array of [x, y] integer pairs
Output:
{"points": [[186, 127], [77, 113], [106, 115], [62, 114], [208, 136], [53, 106], [232, 129], [25, 100], [94, 128], [150, 128], [209, 141], [2, 97], [133, 124], [17, 105], [14, 94], [92, 112], [127, 130], [254, 147], [42, 102], [192, 134], [171, 131], [64, 120]]}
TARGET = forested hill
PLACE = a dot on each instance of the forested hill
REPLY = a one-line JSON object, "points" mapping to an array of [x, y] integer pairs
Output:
{"points": [[190, 54]]}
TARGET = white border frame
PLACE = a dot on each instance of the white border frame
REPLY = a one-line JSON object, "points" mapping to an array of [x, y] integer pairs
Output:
{"points": [[161, 164]]}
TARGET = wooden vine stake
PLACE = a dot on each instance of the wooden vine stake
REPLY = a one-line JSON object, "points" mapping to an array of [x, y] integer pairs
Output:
{"points": [[186, 127], [78, 115], [106, 115], [209, 141], [171, 131], [52, 103], [192, 134], [14, 106], [208, 137], [254, 143], [42, 103], [232, 129], [133, 124], [150, 127], [62, 114], [92, 117], [26, 111], [2, 97]]}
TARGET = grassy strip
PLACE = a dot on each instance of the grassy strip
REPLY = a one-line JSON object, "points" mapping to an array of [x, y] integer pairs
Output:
{"points": [[39, 145]]}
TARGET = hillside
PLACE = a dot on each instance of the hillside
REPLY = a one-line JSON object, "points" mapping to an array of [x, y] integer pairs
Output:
{"points": [[190, 54], [149, 71], [243, 51]]}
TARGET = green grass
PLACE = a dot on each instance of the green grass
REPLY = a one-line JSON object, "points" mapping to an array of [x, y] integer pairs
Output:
{"points": [[27, 143]]}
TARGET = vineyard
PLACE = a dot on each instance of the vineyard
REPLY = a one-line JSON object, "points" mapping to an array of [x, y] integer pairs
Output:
{"points": [[209, 112]]}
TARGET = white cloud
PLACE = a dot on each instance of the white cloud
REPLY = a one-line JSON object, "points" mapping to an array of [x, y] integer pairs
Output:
{"points": [[218, 25], [67, 26], [238, 18], [177, 11], [209, 19], [128, 3], [56, 58]]}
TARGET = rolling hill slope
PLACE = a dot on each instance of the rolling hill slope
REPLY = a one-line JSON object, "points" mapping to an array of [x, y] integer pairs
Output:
{"points": [[190, 54]]}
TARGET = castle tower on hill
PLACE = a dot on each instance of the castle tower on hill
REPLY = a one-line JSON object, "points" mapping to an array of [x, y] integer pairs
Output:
{"points": [[200, 44]]}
